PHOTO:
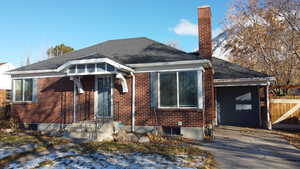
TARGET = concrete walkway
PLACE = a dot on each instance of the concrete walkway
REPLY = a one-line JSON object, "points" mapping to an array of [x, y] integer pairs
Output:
{"points": [[236, 147]]}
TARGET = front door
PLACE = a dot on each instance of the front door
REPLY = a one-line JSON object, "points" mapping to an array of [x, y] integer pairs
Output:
{"points": [[104, 97]]}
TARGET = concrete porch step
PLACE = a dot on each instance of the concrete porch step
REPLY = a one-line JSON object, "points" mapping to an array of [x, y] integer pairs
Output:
{"points": [[90, 130], [81, 135]]}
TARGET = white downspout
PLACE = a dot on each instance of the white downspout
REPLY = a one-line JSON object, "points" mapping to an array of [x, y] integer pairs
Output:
{"points": [[133, 102]]}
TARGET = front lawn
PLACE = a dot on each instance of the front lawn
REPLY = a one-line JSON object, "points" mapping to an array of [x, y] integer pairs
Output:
{"points": [[55, 152]]}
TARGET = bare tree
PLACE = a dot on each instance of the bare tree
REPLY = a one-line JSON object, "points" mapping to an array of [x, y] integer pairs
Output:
{"points": [[59, 50], [264, 35], [173, 43]]}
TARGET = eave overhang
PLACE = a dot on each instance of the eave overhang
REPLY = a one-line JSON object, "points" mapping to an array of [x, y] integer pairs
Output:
{"points": [[260, 81]]}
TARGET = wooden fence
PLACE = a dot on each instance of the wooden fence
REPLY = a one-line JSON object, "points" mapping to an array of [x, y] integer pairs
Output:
{"points": [[4, 103], [285, 109]]}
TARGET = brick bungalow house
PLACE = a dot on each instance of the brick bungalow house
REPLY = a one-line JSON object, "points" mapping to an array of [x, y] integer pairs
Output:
{"points": [[138, 81]]}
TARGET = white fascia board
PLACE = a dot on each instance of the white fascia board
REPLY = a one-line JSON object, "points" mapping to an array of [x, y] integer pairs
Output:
{"points": [[171, 66], [240, 84], [143, 65], [243, 82], [87, 61], [92, 73], [30, 71], [38, 77], [169, 70], [266, 79], [67, 64]]}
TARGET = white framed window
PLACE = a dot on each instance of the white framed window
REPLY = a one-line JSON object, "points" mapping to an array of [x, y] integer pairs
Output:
{"points": [[180, 89], [23, 90], [91, 68]]}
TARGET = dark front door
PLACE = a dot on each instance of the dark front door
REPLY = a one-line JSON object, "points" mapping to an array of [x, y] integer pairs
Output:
{"points": [[103, 98], [238, 106]]}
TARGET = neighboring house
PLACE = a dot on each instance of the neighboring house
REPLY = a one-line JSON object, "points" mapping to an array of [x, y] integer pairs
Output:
{"points": [[137, 81], [5, 85], [5, 78]]}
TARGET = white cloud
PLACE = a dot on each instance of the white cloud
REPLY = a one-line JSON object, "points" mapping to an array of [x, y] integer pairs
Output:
{"points": [[185, 27]]}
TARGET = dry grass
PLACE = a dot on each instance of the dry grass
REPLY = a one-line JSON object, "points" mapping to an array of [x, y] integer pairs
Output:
{"points": [[45, 163], [167, 147], [169, 151], [17, 139], [21, 138]]}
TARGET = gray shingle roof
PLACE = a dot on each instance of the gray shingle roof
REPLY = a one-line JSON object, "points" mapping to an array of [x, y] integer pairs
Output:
{"points": [[123, 51], [227, 70]]}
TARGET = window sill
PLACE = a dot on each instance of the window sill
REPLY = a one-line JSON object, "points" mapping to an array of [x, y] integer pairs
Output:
{"points": [[22, 102], [181, 109]]}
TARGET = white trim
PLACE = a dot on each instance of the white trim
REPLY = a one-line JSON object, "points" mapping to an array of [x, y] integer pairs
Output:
{"points": [[133, 102], [199, 92], [95, 97], [240, 84], [243, 82], [177, 89], [30, 71], [87, 61], [67, 64], [123, 82], [266, 79], [269, 125], [139, 65], [177, 96], [38, 77], [158, 89], [179, 108], [165, 69], [94, 73], [23, 91]]}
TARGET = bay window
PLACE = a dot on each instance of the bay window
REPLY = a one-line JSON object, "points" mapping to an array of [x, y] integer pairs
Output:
{"points": [[180, 89]]}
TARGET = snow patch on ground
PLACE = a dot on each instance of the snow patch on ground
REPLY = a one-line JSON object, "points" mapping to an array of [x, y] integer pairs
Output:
{"points": [[102, 160], [9, 150]]}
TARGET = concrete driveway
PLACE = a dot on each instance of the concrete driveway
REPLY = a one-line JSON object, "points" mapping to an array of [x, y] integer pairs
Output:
{"points": [[236, 147]]}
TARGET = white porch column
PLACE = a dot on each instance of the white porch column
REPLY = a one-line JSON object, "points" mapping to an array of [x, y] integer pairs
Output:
{"points": [[269, 125]]}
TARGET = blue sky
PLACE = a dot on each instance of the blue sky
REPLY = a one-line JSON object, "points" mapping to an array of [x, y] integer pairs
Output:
{"points": [[29, 27]]}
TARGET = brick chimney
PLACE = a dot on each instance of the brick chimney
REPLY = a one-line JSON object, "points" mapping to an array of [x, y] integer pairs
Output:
{"points": [[204, 31]]}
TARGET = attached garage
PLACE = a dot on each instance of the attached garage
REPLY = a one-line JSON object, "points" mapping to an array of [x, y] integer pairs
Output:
{"points": [[241, 95], [238, 106]]}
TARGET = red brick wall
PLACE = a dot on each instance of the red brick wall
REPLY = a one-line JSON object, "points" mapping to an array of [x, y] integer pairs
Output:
{"points": [[147, 116], [209, 96], [55, 102], [204, 31]]}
